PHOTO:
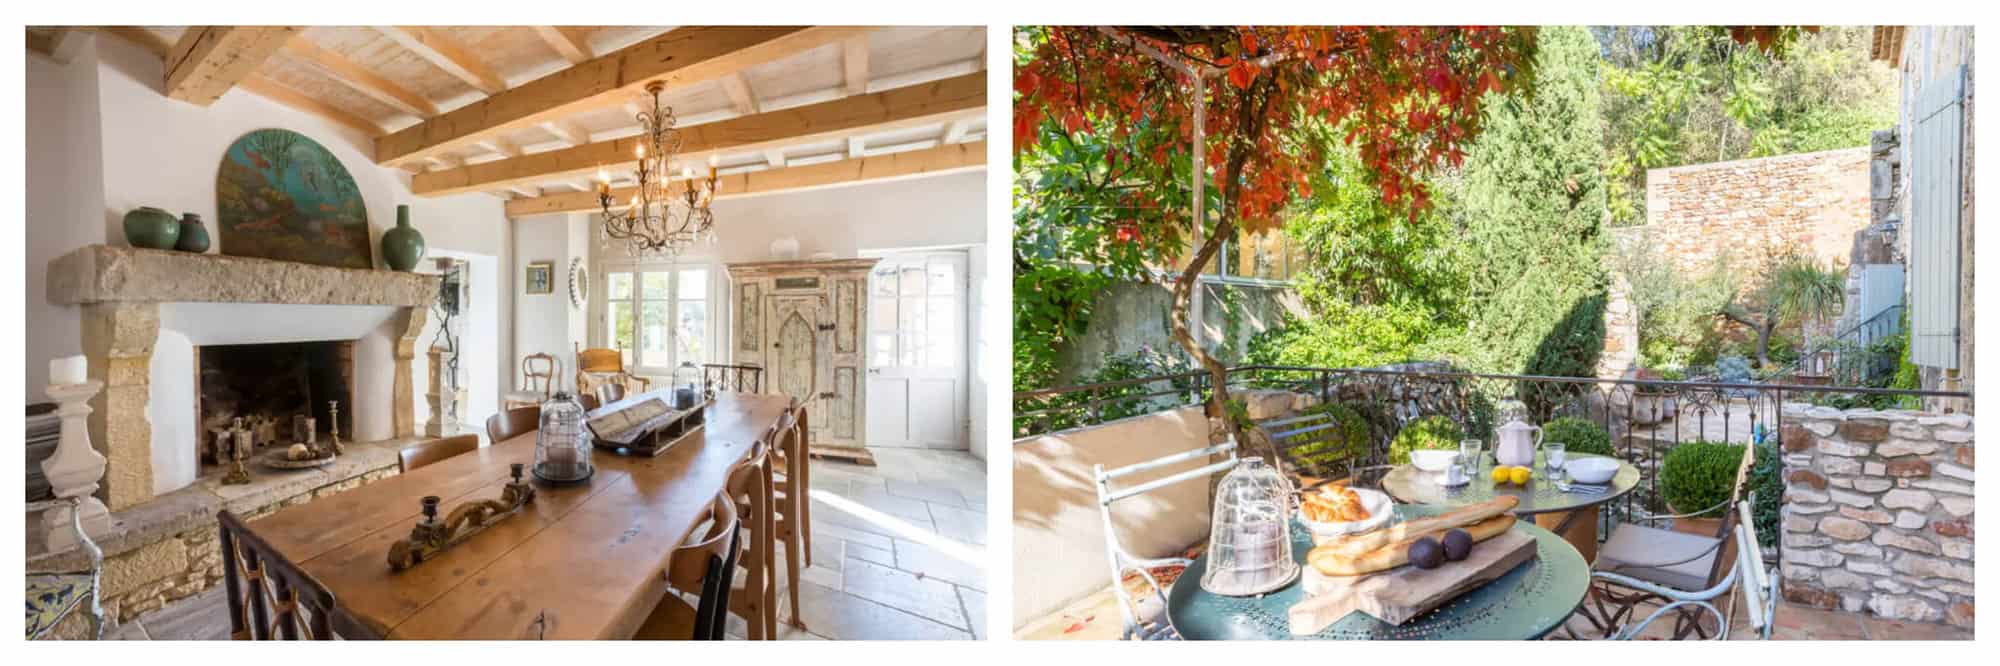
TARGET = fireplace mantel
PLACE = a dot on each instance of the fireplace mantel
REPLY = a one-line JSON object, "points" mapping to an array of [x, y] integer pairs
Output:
{"points": [[109, 274], [121, 291]]}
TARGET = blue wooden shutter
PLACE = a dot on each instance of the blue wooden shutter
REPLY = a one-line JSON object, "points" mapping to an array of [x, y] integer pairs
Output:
{"points": [[1935, 159]]}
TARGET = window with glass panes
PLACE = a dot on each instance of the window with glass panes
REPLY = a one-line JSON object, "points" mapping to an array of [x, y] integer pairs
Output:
{"points": [[657, 318]]}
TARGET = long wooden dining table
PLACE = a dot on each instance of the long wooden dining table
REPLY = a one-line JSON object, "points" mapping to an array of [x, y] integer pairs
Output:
{"points": [[579, 562]]}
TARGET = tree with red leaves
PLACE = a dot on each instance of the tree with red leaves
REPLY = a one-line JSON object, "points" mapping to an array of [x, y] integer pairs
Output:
{"points": [[1408, 99]]}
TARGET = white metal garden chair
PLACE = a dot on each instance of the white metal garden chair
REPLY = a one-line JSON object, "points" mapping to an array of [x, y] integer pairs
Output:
{"points": [[1758, 587], [1137, 623]]}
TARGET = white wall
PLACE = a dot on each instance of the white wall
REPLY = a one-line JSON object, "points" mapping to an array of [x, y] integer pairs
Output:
{"points": [[104, 140], [65, 192], [921, 212], [545, 323]]}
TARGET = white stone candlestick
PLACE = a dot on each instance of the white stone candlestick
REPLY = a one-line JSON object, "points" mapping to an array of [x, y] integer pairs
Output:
{"points": [[75, 469]]}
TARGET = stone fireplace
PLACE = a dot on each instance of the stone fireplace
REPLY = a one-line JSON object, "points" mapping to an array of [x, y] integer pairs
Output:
{"points": [[153, 317]]}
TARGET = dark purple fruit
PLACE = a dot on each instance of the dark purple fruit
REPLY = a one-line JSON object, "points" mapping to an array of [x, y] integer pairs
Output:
{"points": [[1425, 553], [1457, 544]]}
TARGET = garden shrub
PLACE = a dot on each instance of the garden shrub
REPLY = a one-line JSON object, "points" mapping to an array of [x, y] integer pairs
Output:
{"points": [[1430, 433], [1699, 475], [1578, 435]]}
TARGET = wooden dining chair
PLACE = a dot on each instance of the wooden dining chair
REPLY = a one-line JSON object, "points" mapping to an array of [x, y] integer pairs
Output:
{"points": [[738, 378], [271, 598], [705, 567], [749, 487], [538, 375], [430, 451], [512, 423], [788, 454]]}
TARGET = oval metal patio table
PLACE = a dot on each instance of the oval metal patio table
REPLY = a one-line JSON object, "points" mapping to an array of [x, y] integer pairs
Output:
{"points": [[1571, 514], [1525, 603]]}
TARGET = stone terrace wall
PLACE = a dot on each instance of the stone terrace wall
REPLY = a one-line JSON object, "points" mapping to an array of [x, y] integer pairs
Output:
{"points": [[1817, 200], [1878, 512]]}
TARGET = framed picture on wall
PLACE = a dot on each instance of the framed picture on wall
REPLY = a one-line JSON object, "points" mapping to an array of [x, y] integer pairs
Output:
{"points": [[541, 277]]}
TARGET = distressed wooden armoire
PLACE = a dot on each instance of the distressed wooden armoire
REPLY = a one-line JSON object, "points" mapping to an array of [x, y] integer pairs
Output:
{"points": [[803, 322]]}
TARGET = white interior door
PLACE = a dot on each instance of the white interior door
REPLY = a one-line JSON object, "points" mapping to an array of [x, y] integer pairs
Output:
{"points": [[916, 351]]}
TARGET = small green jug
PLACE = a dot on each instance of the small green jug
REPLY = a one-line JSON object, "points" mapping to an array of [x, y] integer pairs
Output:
{"points": [[194, 236]]}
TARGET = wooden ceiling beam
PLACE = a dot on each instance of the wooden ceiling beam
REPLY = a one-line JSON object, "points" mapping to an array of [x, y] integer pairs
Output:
{"points": [[854, 64], [569, 42], [569, 132], [501, 146], [447, 54], [739, 94], [210, 59], [955, 132], [264, 87], [917, 163], [360, 79], [678, 57], [937, 101]]}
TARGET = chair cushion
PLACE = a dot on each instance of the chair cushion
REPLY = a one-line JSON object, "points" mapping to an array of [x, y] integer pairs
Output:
{"points": [[526, 396], [1632, 548], [52, 597]]}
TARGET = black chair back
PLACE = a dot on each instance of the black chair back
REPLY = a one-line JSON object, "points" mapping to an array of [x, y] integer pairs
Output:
{"points": [[738, 378], [270, 598]]}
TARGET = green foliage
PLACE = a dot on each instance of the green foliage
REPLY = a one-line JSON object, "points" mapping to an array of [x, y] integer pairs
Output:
{"points": [[1119, 401], [1766, 479], [1052, 305], [1674, 311], [1344, 336], [1528, 208], [1337, 447], [1578, 435], [1698, 475], [1677, 95], [1431, 433]]}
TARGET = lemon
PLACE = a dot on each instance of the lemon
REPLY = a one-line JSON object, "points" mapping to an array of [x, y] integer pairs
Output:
{"points": [[1519, 475], [1500, 474]]}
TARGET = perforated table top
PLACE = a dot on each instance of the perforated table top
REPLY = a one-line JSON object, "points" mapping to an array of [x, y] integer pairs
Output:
{"points": [[1525, 603]]}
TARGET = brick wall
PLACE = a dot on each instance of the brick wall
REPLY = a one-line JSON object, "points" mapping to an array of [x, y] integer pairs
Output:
{"points": [[1878, 512]]}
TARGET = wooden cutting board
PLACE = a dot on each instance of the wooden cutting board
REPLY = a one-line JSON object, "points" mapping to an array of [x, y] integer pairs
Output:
{"points": [[1396, 596]]}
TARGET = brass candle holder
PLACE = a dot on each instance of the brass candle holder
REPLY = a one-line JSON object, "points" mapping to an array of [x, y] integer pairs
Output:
{"points": [[431, 537]]}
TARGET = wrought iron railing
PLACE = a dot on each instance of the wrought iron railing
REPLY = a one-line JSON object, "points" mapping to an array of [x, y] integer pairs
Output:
{"points": [[1858, 356], [1643, 418]]}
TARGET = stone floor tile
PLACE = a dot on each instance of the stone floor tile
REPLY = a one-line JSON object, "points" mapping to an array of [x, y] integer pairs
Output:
{"points": [[962, 525], [202, 617], [932, 563], [831, 524], [861, 551], [130, 631], [842, 616], [881, 500], [975, 610], [932, 599], [932, 493]]}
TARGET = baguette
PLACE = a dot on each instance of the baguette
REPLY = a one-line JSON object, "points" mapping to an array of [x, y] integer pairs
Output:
{"points": [[1460, 517], [1397, 554]]}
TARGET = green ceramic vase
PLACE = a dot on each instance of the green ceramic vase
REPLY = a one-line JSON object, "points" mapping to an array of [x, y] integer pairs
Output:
{"points": [[150, 227], [403, 246], [194, 236]]}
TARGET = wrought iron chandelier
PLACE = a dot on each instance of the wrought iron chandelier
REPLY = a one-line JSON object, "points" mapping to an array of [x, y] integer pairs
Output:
{"points": [[655, 220]]}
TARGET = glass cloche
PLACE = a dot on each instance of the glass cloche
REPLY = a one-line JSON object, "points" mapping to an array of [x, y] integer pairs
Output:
{"points": [[687, 385], [1249, 540], [562, 446]]}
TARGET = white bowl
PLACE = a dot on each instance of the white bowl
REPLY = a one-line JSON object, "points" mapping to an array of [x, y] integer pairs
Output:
{"points": [[1380, 508], [1594, 471], [1432, 460]]}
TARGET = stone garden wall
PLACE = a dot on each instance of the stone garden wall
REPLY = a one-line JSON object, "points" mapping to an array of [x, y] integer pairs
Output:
{"points": [[1815, 201], [1878, 512]]}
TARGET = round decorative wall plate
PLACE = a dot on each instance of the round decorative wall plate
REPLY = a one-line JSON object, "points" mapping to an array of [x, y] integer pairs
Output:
{"points": [[579, 283]]}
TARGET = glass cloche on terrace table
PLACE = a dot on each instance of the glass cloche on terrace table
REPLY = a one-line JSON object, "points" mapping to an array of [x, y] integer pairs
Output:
{"points": [[1249, 541]]}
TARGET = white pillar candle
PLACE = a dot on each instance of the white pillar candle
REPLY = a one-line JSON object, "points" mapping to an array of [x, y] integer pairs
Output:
{"points": [[69, 370]]}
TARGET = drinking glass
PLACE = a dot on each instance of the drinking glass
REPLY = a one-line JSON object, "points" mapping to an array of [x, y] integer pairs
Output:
{"points": [[1469, 455], [1553, 455]]}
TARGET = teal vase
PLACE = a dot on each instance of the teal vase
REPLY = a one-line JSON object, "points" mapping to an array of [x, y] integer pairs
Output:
{"points": [[403, 246], [194, 236], [152, 228]]}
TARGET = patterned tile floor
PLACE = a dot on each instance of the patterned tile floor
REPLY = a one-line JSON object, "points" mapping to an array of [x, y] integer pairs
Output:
{"points": [[897, 554]]}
